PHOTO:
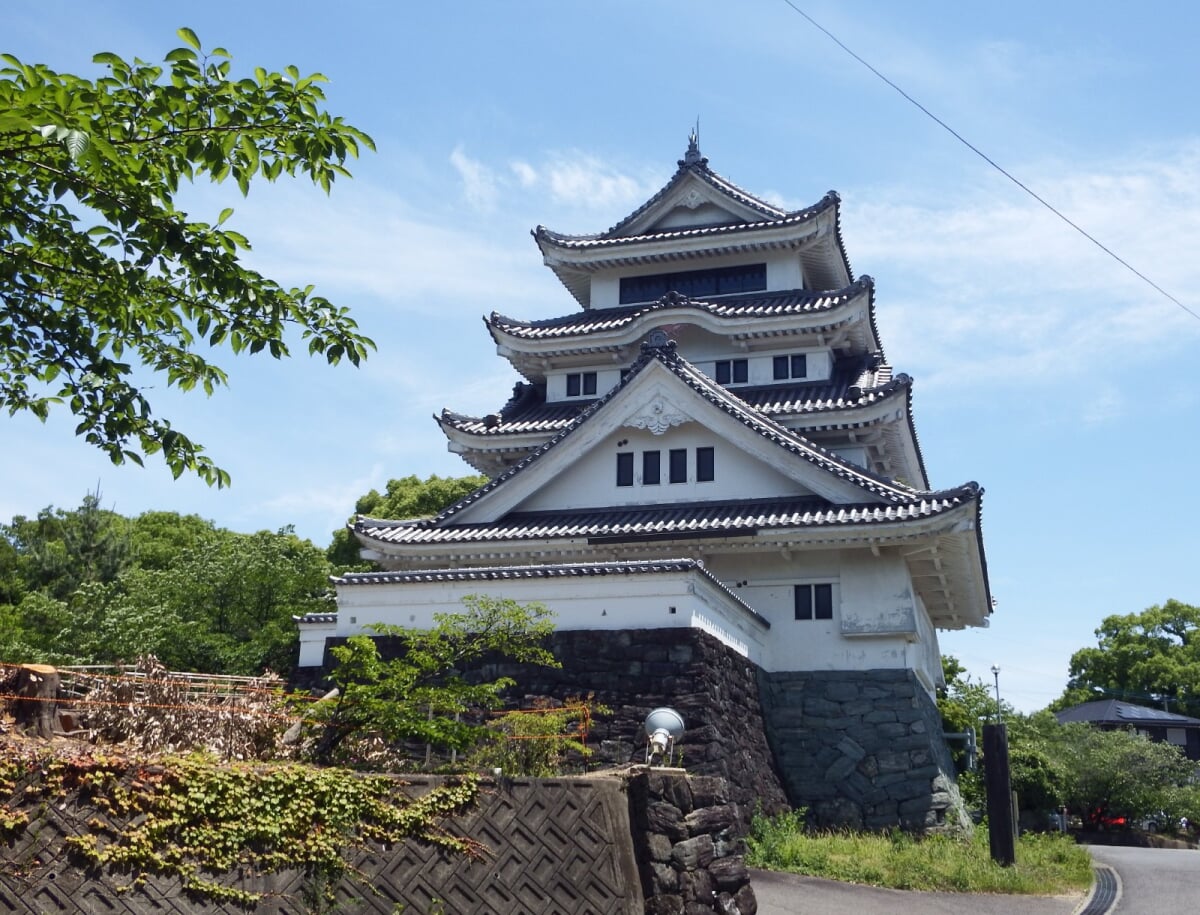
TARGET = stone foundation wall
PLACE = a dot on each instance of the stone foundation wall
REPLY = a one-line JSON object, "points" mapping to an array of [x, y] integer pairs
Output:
{"points": [[862, 749], [634, 671]]}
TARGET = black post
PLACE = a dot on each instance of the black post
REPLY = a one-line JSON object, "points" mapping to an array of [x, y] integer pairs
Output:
{"points": [[999, 794]]}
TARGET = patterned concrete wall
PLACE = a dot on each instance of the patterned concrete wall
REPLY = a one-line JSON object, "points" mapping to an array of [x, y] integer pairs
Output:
{"points": [[558, 847]]}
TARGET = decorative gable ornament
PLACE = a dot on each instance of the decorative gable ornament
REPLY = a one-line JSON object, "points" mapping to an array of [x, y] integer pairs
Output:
{"points": [[657, 417]]}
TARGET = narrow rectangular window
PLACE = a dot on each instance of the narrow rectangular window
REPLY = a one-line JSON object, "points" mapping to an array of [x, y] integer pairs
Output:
{"points": [[650, 468], [705, 464], [678, 465], [779, 368], [799, 365], [624, 468], [724, 372], [589, 383], [573, 384], [814, 602], [741, 371]]}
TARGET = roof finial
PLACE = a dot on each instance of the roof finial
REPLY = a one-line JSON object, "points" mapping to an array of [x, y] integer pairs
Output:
{"points": [[692, 156]]}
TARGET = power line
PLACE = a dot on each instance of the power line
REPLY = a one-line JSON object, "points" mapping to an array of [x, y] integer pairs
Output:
{"points": [[986, 158]]}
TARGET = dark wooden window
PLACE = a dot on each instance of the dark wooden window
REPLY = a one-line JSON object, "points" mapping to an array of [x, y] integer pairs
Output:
{"points": [[814, 602], [705, 464], [624, 468], [694, 283], [650, 468], [581, 383], [793, 366], [732, 371], [678, 465]]}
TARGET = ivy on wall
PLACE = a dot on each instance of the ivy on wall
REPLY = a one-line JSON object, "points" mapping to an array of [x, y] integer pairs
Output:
{"points": [[195, 819]]}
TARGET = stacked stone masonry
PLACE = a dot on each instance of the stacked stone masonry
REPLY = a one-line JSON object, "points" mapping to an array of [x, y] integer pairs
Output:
{"points": [[862, 749], [688, 845]]}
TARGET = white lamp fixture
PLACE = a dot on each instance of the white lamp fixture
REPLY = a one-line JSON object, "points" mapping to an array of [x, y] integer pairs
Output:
{"points": [[664, 726]]}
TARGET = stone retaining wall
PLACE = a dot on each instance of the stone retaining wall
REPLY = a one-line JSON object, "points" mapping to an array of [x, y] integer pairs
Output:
{"points": [[862, 749], [650, 841]]}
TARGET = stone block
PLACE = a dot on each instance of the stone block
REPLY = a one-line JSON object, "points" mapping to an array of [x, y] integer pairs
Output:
{"points": [[659, 847], [850, 748], [729, 873], [711, 819], [694, 853]]}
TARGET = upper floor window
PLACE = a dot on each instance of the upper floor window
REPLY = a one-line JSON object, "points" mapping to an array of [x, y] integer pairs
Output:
{"points": [[677, 465], [694, 283], [650, 468], [706, 466], [624, 468], [793, 366], [814, 602], [732, 371], [581, 384]]}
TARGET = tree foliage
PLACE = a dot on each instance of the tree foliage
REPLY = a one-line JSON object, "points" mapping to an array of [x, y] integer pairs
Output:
{"points": [[423, 693], [1146, 657], [91, 586], [406, 497], [105, 282]]}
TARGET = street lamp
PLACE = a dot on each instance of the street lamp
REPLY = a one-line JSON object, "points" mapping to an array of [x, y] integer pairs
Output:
{"points": [[996, 674]]}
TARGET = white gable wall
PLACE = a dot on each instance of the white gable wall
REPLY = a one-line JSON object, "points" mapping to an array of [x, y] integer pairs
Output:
{"points": [[591, 481]]}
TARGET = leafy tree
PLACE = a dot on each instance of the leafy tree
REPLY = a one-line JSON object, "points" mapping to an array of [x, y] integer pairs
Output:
{"points": [[422, 692], [60, 550], [1146, 657], [103, 277], [407, 497], [198, 597], [1118, 772]]}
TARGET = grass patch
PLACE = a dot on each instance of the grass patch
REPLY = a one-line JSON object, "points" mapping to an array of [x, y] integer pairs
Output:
{"points": [[1047, 865]]}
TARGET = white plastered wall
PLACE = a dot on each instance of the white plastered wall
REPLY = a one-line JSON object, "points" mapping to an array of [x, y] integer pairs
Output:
{"points": [[685, 599], [591, 482]]}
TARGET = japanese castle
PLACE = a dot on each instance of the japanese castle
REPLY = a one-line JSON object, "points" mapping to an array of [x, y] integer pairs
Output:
{"points": [[713, 439]]}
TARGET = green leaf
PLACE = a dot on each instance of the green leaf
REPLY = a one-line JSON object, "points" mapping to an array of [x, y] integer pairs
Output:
{"points": [[225, 214], [180, 54], [189, 36], [76, 142]]}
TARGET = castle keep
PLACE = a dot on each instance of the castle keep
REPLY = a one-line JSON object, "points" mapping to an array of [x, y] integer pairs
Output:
{"points": [[711, 458]]}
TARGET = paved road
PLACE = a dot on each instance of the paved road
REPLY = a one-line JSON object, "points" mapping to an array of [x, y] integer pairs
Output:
{"points": [[792, 894], [1153, 881], [1157, 881]]}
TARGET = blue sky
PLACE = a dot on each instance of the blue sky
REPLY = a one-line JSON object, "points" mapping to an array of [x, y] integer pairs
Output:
{"points": [[1043, 369]]}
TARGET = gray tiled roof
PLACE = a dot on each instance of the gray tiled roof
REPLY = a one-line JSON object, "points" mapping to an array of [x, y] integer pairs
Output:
{"points": [[855, 382], [723, 400], [679, 521], [740, 307], [607, 240], [1113, 711], [565, 570]]}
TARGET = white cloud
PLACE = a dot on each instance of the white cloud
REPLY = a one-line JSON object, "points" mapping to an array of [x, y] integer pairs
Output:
{"points": [[992, 287], [479, 182]]}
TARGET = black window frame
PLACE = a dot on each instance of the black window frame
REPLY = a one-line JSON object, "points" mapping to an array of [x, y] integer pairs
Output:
{"points": [[813, 601], [706, 464], [677, 460], [624, 468], [794, 365], [651, 468], [708, 281], [732, 371], [581, 384]]}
